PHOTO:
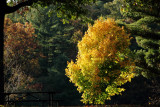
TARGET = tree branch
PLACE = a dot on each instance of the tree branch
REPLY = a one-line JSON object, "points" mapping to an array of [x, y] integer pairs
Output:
{"points": [[136, 29], [18, 6]]}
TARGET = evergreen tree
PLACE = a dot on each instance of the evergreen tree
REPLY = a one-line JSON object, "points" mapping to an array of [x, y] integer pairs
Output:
{"points": [[143, 21], [114, 8], [99, 9], [55, 39], [53, 35]]}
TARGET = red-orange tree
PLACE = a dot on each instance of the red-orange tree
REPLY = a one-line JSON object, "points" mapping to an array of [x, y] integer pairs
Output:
{"points": [[103, 62], [20, 56]]}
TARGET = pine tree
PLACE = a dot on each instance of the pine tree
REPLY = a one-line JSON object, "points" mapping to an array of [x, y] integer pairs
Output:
{"points": [[55, 39], [53, 35], [143, 21], [114, 9]]}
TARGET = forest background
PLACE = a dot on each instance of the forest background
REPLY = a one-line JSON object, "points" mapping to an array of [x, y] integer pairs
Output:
{"points": [[38, 46]]}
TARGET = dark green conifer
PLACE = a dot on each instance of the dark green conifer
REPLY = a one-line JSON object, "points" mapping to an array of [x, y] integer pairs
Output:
{"points": [[143, 21], [55, 39]]}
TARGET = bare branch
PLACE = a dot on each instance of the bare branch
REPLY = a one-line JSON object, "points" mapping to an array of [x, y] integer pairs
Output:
{"points": [[18, 6]]}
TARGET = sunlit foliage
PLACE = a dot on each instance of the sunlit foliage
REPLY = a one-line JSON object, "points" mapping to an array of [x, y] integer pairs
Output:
{"points": [[103, 62]]}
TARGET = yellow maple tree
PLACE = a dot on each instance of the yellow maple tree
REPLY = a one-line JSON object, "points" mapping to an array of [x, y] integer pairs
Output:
{"points": [[103, 63]]}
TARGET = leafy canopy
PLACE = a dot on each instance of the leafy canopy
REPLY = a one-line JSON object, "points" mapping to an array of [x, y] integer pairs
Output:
{"points": [[103, 62], [68, 9], [149, 7]]}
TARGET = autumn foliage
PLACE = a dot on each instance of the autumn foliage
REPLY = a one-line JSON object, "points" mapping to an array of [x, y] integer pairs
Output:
{"points": [[103, 62], [20, 41], [20, 56]]}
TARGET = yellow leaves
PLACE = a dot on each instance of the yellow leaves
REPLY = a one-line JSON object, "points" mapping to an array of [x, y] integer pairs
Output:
{"points": [[72, 71], [129, 77], [72, 68], [104, 44]]}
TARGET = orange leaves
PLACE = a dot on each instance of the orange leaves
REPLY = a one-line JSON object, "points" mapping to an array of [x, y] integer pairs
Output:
{"points": [[103, 62], [20, 45], [19, 37]]}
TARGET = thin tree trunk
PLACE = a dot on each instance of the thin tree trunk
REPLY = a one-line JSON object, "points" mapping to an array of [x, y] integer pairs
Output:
{"points": [[2, 15], [2, 96]]}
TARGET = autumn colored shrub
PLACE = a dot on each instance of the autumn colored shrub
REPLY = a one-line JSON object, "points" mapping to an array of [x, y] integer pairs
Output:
{"points": [[103, 63]]}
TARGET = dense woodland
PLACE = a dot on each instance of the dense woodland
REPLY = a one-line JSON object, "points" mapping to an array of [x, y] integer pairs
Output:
{"points": [[45, 51]]}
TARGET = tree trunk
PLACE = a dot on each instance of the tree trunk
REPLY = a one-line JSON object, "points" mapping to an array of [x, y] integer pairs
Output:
{"points": [[2, 14], [1, 59], [4, 9]]}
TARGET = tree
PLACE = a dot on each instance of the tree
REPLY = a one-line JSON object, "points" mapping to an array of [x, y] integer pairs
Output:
{"points": [[20, 56], [149, 7], [98, 9], [144, 24], [53, 36], [142, 20], [55, 40], [68, 8], [103, 62], [114, 9]]}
